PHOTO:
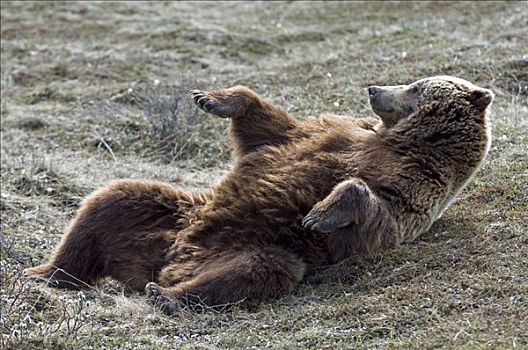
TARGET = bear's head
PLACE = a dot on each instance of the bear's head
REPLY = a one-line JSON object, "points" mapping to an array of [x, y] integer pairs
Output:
{"points": [[394, 103]]}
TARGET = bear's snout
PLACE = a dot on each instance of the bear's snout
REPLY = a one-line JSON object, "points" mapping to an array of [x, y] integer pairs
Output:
{"points": [[372, 91]]}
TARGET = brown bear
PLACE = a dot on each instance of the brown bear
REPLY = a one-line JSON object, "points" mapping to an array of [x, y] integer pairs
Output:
{"points": [[301, 194]]}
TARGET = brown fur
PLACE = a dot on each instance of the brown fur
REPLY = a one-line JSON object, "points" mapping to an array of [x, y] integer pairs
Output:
{"points": [[301, 194]]}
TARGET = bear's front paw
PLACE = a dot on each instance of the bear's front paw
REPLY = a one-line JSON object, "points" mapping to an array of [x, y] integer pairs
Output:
{"points": [[324, 220], [158, 297], [317, 222], [208, 103]]}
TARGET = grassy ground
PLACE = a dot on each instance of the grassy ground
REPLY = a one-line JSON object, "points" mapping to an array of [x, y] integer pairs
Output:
{"points": [[96, 91]]}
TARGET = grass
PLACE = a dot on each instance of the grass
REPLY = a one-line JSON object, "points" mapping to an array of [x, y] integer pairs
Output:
{"points": [[92, 92]]}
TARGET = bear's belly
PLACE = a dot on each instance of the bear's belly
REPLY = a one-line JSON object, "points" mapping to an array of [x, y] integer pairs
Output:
{"points": [[262, 203]]}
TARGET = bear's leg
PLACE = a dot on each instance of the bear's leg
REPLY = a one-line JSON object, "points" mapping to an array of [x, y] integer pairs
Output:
{"points": [[357, 220], [246, 276], [254, 122], [123, 231]]}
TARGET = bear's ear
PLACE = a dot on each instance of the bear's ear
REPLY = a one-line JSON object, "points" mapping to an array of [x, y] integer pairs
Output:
{"points": [[480, 98]]}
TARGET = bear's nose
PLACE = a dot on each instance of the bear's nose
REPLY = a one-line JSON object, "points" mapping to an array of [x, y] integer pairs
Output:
{"points": [[372, 90]]}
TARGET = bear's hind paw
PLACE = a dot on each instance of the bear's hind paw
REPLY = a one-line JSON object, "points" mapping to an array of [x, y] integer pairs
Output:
{"points": [[159, 298]]}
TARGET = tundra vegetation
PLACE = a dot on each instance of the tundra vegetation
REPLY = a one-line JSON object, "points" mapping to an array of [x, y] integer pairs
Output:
{"points": [[92, 92]]}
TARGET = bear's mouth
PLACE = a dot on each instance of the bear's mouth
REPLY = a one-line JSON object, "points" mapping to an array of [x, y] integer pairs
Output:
{"points": [[385, 113], [381, 103], [381, 109]]}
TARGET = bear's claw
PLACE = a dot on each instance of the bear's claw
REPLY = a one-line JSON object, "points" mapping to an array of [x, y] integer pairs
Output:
{"points": [[153, 290], [158, 298], [313, 221], [328, 220], [206, 102]]}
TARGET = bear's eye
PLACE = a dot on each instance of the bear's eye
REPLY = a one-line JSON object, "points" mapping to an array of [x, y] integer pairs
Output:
{"points": [[415, 89]]}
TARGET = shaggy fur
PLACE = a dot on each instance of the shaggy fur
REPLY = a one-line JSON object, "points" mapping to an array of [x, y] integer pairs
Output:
{"points": [[301, 194]]}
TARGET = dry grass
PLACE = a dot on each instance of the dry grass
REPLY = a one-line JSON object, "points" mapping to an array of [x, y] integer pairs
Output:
{"points": [[96, 91]]}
